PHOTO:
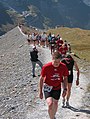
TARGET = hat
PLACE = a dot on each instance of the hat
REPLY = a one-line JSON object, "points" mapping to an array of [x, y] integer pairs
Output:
{"points": [[60, 38], [34, 47], [53, 35]]}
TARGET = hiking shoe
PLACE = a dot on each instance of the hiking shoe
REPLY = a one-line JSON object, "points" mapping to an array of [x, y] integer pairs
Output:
{"points": [[63, 103], [67, 104], [34, 76]]}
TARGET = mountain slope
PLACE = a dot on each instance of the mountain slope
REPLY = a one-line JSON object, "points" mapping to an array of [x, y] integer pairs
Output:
{"points": [[87, 2], [50, 13], [9, 18], [4, 18]]}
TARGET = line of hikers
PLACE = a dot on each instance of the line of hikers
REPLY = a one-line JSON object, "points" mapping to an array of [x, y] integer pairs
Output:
{"points": [[56, 76], [56, 79], [51, 41]]}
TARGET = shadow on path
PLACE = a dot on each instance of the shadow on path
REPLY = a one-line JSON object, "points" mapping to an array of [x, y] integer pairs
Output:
{"points": [[78, 110]]}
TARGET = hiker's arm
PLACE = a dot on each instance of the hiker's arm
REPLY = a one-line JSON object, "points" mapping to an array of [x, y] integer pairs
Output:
{"points": [[64, 86], [78, 73], [41, 87]]}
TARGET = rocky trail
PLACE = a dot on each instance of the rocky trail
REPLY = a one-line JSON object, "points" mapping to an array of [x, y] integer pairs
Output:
{"points": [[19, 91]]}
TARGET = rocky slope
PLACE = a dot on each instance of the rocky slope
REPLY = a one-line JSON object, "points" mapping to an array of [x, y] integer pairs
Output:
{"points": [[19, 91]]}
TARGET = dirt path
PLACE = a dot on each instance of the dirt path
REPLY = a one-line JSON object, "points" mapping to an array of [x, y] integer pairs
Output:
{"points": [[77, 109]]}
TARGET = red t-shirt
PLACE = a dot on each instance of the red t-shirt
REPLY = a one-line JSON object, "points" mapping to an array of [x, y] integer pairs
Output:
{"points": [[63, 50], [53, 76], [59, 42]]}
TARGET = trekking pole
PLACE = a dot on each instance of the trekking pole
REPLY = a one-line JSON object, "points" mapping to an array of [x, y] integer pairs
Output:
{"points": [[77, 56]]}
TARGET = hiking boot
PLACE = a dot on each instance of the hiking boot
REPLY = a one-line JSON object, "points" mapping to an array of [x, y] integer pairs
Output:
{"points": [[34, 76], [67, 104], [63, 103]]}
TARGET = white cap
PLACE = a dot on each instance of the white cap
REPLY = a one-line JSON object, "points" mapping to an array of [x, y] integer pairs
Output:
{"points": [[34, 47], [53, 35], [60, 38]]}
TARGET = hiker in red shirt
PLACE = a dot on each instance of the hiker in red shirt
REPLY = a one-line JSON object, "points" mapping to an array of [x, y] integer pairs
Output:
{"points": [[59, 43], [63, 50], [52, 74]]}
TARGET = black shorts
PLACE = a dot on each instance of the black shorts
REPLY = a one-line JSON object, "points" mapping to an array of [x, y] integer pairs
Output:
{"points": [[54, 93], [70, 79]]}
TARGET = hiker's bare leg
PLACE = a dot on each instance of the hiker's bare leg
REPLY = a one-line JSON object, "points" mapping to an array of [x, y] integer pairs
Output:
{"points": [[52, 107], [69, 85], [55, 106]]}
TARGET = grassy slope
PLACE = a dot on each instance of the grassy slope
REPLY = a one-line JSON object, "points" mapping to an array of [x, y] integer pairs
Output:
{"points": [[78, 38]]}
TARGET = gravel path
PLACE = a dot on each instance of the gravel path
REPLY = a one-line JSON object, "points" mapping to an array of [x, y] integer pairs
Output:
{"points": [[18, 90]]}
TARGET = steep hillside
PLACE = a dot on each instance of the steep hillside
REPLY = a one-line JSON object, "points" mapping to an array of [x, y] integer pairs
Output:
{"points": [[50, 13], [4, 18], [8, 18], [87, 2]]}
